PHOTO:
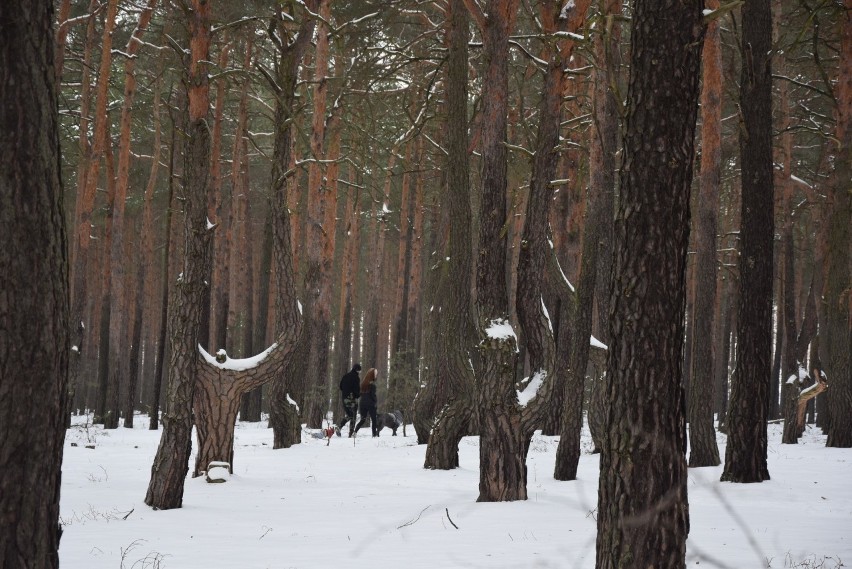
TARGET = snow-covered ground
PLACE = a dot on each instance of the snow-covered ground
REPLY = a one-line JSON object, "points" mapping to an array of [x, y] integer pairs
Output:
{"points": [[371, 504]]}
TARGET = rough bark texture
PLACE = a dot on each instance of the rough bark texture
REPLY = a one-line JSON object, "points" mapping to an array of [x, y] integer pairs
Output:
{"points": [[643, 517], [745, 455], [838, 345], [502, 472], [34, 302], [703, 450], [536, 256], [288, 318], [168, 472], [452, 307], [602, 162]]}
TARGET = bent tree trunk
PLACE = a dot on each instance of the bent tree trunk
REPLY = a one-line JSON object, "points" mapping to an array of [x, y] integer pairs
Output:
{"points": [[35, 302], [643, 517], [168, 472]]}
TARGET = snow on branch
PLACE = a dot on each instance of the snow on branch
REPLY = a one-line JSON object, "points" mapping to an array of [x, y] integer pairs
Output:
{"points": [[222, 361]]}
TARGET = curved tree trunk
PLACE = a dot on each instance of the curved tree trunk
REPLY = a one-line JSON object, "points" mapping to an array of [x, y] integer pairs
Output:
{"points": [[643, 517], [288, 318], [168, 472]]}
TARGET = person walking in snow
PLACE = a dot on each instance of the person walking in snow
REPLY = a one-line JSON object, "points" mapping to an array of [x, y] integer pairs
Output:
{"points": [[369, 402], [350, 390]]}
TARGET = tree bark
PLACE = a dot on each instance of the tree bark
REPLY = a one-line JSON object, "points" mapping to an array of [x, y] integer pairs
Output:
{"points": [[643, 517], [703, 450], [34, 280], [452, 308], [745, 456], [288, 317], [168, 472], [502, 471], [599, 205], [319, 242], [838, 344]]}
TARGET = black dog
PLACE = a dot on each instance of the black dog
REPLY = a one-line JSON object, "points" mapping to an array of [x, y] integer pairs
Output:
{"points": [[392, 420]]}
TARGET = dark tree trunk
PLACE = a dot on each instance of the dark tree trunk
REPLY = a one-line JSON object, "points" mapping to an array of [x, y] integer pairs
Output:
{"points": [[838, 343], [35, 306], [703, 450], [643, 516], [745, 456]]}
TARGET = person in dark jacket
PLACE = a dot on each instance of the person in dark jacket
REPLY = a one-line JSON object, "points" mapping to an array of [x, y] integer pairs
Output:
{"points": [[350, 390], [369, 402]]}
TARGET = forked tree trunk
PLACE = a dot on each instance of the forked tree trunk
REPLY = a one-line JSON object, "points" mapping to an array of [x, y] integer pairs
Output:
{"points": [[536, 256], [745, 455], [703, 450], [34, 312], [643, 517]]}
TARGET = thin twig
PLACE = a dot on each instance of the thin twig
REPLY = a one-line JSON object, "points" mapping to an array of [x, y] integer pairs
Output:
{"points": [[415, 520], [451, 519]]}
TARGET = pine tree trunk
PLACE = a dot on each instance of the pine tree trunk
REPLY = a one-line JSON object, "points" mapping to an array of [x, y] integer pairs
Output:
{"points": [[34, 312], [599, 210], [220, 208], [502, 471], [838, 344], [454, 328], [288, 318], [643, 517], [168, 472], [745, 456], [703, 450]]}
